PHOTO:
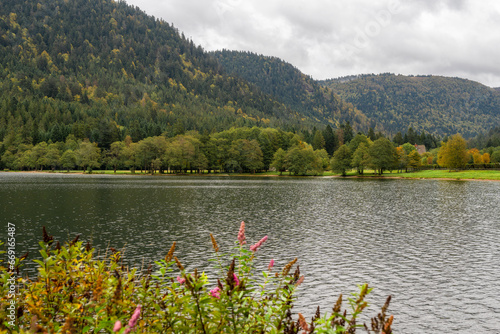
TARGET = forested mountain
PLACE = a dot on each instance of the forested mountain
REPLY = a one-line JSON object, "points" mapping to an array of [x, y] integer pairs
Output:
{"points": [[101, 69], [293, 88], [104, 70], [438, 105]]}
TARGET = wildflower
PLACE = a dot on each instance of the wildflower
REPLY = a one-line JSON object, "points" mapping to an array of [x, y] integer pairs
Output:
{"points": [[181, 280], [271, 265], [214, 243], [241, 234], [299, 282], [254, 248], [287, 268], [117, 326], [178, 263], [133, 320], [303, 322], [215, 292], [170, 253], [387, 327], [236, 280]]}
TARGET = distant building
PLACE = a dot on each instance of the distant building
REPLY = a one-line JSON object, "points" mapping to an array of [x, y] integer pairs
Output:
{"points": [[420, 149]]}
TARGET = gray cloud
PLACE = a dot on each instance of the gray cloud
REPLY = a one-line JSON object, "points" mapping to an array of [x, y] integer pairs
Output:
{"points": [[327, 39]]}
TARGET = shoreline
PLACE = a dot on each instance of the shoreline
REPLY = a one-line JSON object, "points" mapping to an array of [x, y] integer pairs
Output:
{"points": [[376, 177]]}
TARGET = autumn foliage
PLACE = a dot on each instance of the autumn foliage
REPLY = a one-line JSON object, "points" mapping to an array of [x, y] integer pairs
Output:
{"points": [[77, 291]]}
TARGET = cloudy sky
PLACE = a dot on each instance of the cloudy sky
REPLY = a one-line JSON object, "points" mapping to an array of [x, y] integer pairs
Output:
{"points": [[333, 38]]}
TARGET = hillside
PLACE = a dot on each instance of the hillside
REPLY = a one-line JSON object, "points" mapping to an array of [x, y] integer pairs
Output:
{"points": [[293, 88], [102, 70], [434, 104]]}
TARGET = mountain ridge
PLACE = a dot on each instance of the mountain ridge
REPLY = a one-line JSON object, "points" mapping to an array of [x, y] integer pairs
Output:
{"points": [[102, 70], [292, 87], [436, 104]]}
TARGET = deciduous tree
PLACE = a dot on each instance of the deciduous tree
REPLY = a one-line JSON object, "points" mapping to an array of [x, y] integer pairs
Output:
{"points": [[453, 153], [68, 160], [88, 155], [414, 159], [383, 155], [279, 161], [361, 158], [341, 161]]}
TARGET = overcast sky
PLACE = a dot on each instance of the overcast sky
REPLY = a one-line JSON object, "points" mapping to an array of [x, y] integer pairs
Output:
{"points": [[333, 38]]}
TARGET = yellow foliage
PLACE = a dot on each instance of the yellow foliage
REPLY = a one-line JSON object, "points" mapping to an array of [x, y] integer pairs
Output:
{"points": [[65, 56], [453, 154], [12, 21], [185, 62], [113, 23], [172, 82], [478, 158], [229, 108], [46, 56]]}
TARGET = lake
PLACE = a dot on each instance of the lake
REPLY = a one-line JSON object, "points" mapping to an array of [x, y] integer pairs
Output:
{"points": [[433, 245]]}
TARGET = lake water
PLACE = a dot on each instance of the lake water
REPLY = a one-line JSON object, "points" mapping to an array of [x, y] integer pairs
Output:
{"points": [[433, 245]]}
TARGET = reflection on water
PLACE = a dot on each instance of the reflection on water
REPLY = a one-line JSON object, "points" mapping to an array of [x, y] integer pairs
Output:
{"points": [[432, 245]]}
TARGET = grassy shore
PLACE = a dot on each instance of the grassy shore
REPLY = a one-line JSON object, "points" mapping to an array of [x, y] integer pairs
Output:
{"points": [[456, 175], [425, 174], [492, 175]]}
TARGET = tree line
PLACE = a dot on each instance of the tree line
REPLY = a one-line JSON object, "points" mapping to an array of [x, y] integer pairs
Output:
{"points": [[244, 150]]}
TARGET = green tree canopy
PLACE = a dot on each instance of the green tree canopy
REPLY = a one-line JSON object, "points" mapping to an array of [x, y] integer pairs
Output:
{"points": [[341, 161], [301, 159], [361, 158], [88, 155], [279, 160], [453, 153], [383, 155], [414, 159]]}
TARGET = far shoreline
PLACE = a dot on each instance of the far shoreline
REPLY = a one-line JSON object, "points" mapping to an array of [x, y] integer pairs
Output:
{"points": [[389, 176]]}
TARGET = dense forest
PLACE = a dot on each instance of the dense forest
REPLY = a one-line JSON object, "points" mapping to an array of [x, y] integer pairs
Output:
{"points": [[102, 70], [438, 105], [293, 88], [486, 139]]}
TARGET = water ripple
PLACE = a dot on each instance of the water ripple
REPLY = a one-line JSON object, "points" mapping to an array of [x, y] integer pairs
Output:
{"points": [[432, 245]]}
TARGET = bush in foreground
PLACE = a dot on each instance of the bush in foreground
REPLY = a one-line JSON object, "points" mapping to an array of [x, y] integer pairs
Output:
{"points": [[75, 292]]}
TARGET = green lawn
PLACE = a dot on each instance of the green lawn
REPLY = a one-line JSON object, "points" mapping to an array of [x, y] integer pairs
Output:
{"points": [[466, 174]]}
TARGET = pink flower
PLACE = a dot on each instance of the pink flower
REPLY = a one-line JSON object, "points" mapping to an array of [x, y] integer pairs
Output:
{"points": [[236, 280], [181, 280], [118, 326], [271, 265], [254, 248], [215, 292], [133, 320], [241, 234]]}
